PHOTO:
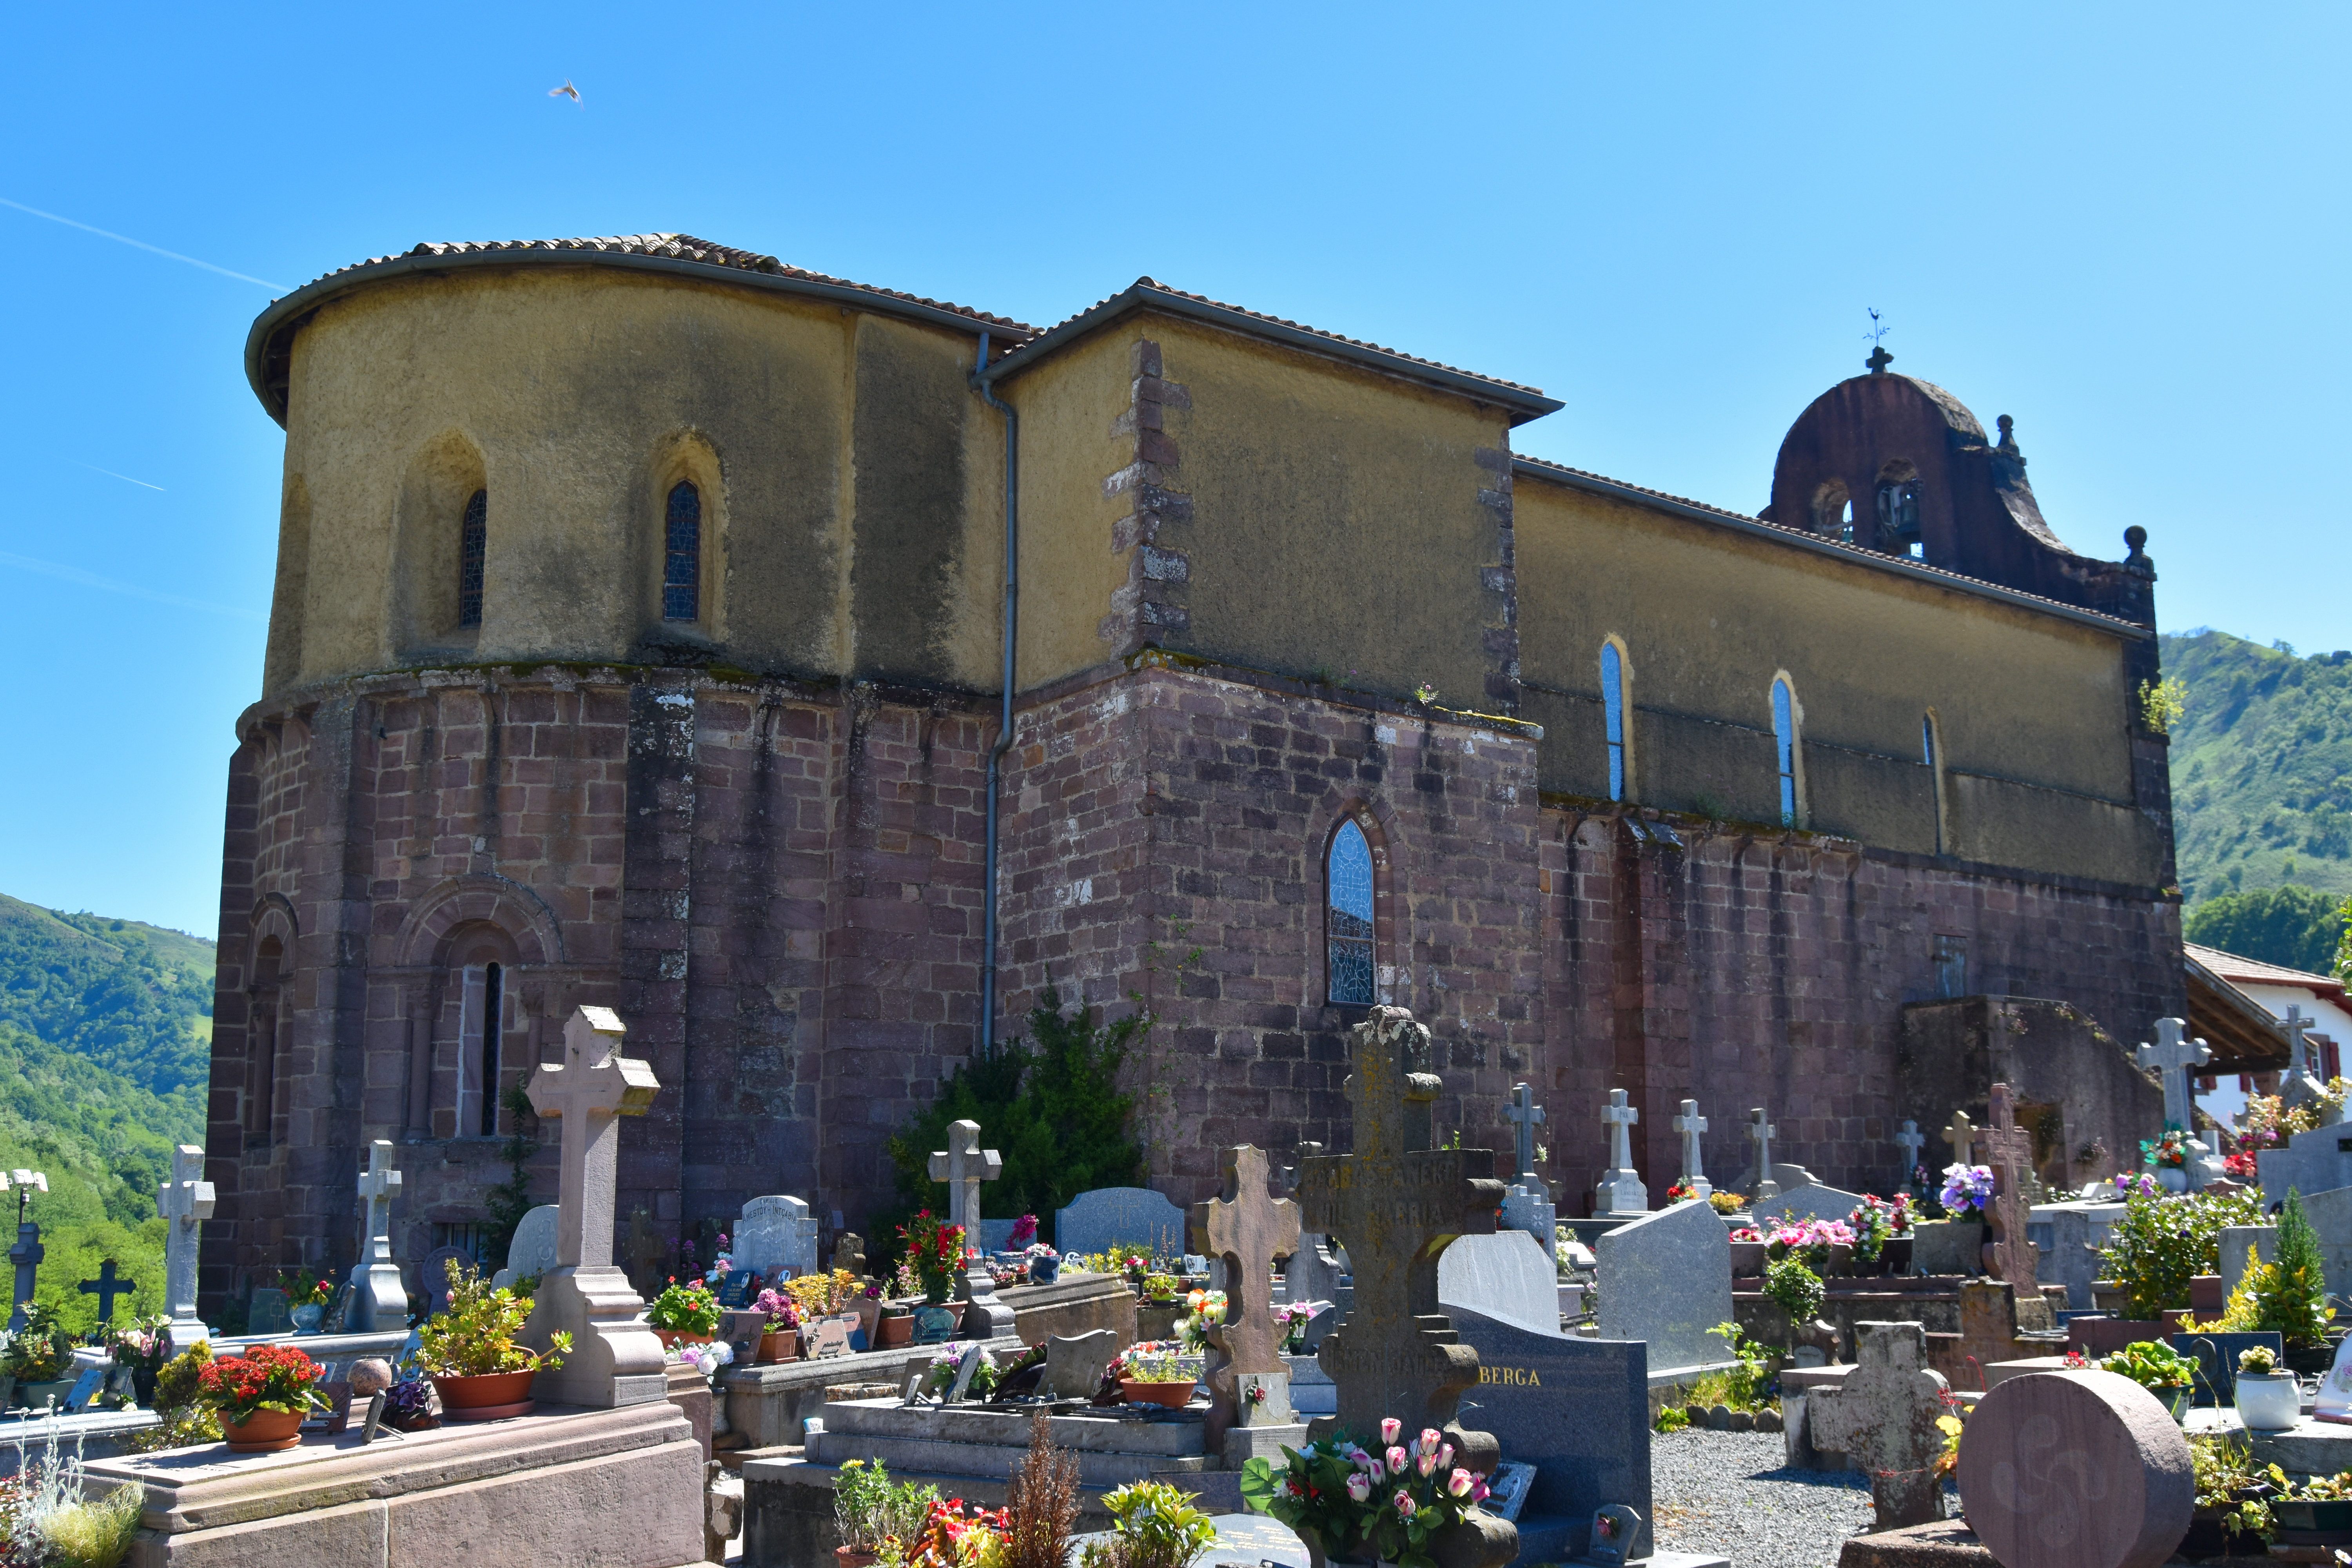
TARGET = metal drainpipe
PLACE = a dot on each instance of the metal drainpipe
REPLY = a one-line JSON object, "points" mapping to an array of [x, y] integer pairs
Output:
{"points": [[1004, 723]]}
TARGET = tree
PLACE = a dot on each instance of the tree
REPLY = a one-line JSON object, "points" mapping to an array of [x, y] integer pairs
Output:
{"points": [[2295, 926]]}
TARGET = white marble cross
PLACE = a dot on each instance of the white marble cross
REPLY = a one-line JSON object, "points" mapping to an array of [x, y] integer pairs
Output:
{"points": [[1529, 1115], [1690, 1124], [1910, 1140], [963, 1166], [186, 1201], [1621, 1117], [2172, 1057], [587, 1093], [1620, 1189], [377, 1183], [1760, 1132]]}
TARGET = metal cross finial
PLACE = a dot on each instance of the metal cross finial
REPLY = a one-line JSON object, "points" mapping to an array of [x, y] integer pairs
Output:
{"points": [[105, 1287], [1879, 358]]}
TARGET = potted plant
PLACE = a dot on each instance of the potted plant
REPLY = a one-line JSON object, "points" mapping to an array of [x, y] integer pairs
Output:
{"points": [[780, 1336], [2268, 1399], [140, 1346], [38, 1356], [1353, 1505], [1153, 1526], [875, 1515], [471, 1354], [2164, 1240], [1207, 1308], [2159, 1369], [261, 1396], [688, 1311], [1044, 1263], [1748, 1250], [1797, 1290], [1159, 1289], [1025, 1232], [1724, 1203], [1153, 1372], [894, 1324], [936, 1249]]}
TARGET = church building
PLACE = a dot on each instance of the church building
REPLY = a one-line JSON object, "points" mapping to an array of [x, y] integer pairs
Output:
{"points": [[814, 674]]}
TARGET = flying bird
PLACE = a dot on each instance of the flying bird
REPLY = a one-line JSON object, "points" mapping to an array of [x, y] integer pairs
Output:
{"points": [[566, 90]]}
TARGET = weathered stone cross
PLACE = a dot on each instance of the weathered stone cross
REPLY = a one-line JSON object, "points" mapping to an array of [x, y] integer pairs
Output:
{"points": [[379, 1299], [1622, 1190], [1910, 1140], [587, 1093], [2171, 1057], [1884, 1415], [186, 1201], [963, 1167], [2008, 1148], [2301, 1085], [1529, 1115], [105, 1287], [1690, 1124], [1962, 1136], [1760, 1132], [1251, 1232], [377, 1183]]}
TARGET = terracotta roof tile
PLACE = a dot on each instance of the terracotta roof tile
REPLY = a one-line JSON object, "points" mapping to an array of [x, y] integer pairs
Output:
{"points": [[2239, 971]]}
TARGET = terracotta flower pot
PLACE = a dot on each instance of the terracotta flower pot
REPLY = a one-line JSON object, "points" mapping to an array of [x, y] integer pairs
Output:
{"points": [[1168, 1395], [264, 1432], [850, 1557], [783, 1345], [895, 1331], [491, 1398], [673, 1338]]}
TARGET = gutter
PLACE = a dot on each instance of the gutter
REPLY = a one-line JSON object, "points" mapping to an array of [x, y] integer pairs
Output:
{"points": [[982, 373]]}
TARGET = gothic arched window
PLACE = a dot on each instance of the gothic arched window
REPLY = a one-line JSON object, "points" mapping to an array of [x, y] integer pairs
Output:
{"points": [[682, 555], [1784, 748], [1348, 919], [1612, 709], [473, 541]]}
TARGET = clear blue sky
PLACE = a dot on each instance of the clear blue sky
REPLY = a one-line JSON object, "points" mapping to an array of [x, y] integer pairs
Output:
{"points": [[2126, 226]]}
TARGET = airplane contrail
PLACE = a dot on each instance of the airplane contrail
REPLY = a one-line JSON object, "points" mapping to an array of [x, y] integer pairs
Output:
{"points": [[111, 474], [92, 580], [143, 244]]}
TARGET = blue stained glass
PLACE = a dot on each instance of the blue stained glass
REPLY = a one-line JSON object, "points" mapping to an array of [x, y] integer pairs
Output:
{"points": [[1784, 736], [1613, 703], [1348, 873], [682, 569], [473, 543]]}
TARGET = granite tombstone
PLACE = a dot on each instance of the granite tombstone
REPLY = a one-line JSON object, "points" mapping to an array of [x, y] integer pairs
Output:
{"points": [[2076, 1470], [1249, 1232], [531, 1252], [776, 1236], [1505, 1275], [1110, 1218], [1666, 1280]]}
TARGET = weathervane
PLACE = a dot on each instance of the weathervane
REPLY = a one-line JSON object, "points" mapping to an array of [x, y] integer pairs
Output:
{"points": [[1879, 358]]}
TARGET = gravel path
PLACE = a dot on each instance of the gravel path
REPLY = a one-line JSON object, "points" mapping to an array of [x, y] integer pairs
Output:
{"points": [[1727, 1492]]}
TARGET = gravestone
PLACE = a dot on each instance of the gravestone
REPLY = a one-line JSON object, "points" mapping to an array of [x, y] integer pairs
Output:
{"points": [[1248, 1232], [532, 1253], [935, 1325], [379, 1300], [1760, 1132], [1527, 1209], [2174, 1058], [1813, 1201], [963, 1166], [2068, 1238], [776, 1236], [26, 1252], [1505, 1276], [1884, 1415], [105, 1287], [994, 1235], [2008, 1148], [2241, 1245], [1110, 1218], [1666, 1280], [849, 1254], [185, 1202], [1313, 1271], [1910, 1140], [1075, 1363], [1526, 1203], [615, 1359], [966, 1364], [433, 1277], [1396, 1202], [1619, 1190], [830, 1336], [1690, 1124], [2297, 1085], [644, 1250], [2076, 1470], [269, 1312]]}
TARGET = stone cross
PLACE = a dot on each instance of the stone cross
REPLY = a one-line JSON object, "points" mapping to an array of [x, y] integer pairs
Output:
{"points": [[28, 1252], [963, 1166], [1620, 1189], [1760, 1132], [105, 1287], [378, 1297], [2301, 1086], [1249, 1232], [1910, 1140], [186, 1201], [377, 1183], [1884, 1415], [2008, 1148], [1690, 1124], [1528, 1115], [2171, 1057], [1962, 1136]]}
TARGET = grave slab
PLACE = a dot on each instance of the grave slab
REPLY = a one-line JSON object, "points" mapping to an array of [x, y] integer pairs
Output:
{"points": [[1108, 1218], [1505, 1276], [771, 1404], [1666, 1280], [1946, 1543], [969, 1440]]}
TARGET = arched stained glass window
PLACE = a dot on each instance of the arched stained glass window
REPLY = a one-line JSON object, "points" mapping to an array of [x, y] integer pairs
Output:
{"points": [[1349, 920], [682, 562], [473, 540], [1612, 704], [1784, 740]]}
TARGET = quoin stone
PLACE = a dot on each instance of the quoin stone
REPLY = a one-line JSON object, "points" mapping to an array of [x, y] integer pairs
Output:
{"points": [[185, 1202], [379, 1299], [1621, 1189]]}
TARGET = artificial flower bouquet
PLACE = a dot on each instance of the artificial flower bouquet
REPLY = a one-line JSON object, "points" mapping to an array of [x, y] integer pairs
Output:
{"points": [[1810, 1239], [1025, 1231], [1388, 1505], [2171, 1150], [783, 1314], [1874, 1222], [1292, 1318], [1207, 1312], [936, 1248], [1155, 1360], [1682, 1193], [2136, 1185], [1967, 1189]]}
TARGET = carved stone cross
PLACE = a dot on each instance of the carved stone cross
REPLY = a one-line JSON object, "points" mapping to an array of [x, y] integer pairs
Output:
{"points": [[1690, 1124], [1251, 1232], [1910, 1140], [1884, 1415], [1760, 1132], [186, 1201], [379, 1298], [2300, 1085], [2172, 1057], [1528, 1115], [2008, 1148], [963, 1166], [1620, 1189], [377, 1183], [587, 1093], [1962, 1136]]}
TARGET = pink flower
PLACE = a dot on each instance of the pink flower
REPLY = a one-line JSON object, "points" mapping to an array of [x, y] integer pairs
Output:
{"points": [[1459, 1482], [1478, 1493], [1445, 1454], [1398, 1460], [1426, 1465], [1430, 1439], [1389, 1427], [1405, 1504], [1360, 1488]]}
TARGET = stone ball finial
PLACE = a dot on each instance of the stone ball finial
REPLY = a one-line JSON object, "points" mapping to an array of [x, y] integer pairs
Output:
{"points": [[2135, 539]]}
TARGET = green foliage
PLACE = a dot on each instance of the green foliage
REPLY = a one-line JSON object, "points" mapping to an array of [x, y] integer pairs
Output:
{"points": [[1157, 1527], [686, 1309], [132, 998], [2289, 1295], [2154, 1365], [2162, 1241], [1743, 1385], [1795, 1290], [871, 1508], [1673, 1418], [95, 1534], [476, 1337], [2262, 769], [1050, 1104], [2296, 927], [2161, 703]]}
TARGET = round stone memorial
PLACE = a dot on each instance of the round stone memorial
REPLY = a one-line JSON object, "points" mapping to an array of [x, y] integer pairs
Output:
{"points": [[2076, 1470]]}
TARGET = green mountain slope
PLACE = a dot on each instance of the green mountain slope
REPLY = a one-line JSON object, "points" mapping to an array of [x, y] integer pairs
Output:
{"points": [[133, 998], [2261, 766]]}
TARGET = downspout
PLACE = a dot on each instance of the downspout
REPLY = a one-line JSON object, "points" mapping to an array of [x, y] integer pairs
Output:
{"points": [[1004, 722]]}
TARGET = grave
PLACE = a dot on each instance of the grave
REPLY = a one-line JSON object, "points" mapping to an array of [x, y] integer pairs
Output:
{"points": [[775, 1236], [378, 1300], [1248, 1231], [2008, 1150], [2076, 1470], [185, 1202], [2068, 1236], [849, 1254], [105, 1287], [2298, 1087], [1689, 1123], [269, 1312], [1666, 1280], [2316, 1160], [1619, 1190], [1883, 1413], [2172, 1058], [963, 1166], [1110, 1218], [433, 1277], [531, 1252], [1810, 1201], [1505, 1276], [2241, 1244], [615, 1359], [1075, 1363], [1527, 1202], [26, 1252]]}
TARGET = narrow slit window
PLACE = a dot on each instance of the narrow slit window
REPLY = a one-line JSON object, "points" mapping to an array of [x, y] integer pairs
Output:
{"points": [[1612, 704], [1927, 754], [1784, 746], [682, 556], [1899, 519], [493, 1008], [473, 541], [1349, 920]]}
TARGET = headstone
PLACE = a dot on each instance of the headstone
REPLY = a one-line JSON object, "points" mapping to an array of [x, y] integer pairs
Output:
{"points": [[1110, 1218], [1910, 1140], [1614, 1529], [849, 1254], [433, 1277], [26, 1254], [1249, 1232], [105, 1287], [2008, 1148], [532, 1253], [1884, 1415], [185, 1202], [1313, 1271], [2076, 1470], [1812, 1202], [1760, 1133], [1397, 1203], [1619, 1190], [776, 1236], [1526, 1117], [1075, 1363], [379, 1300], [85, 1389], [830, 1336], [1505, 1276], [614, 1358], [735, 1288], [1578, 1410], [935, 1325], [2330, 1214], [994, 1235], [966, 1364], [269, 1314], [963, 1166], [1666, 1280], [1506, 1489], [2069, 1238], [1264, 1399], [1690, 1124]]}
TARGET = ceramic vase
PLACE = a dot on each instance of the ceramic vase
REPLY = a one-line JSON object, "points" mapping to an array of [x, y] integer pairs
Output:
{"points": [[2172, 1178], [306, 1317], [2268, 1402]]}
